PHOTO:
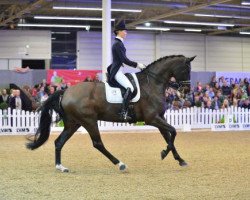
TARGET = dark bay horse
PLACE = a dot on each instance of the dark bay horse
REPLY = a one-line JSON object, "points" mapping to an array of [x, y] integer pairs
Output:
{"points": [[85, 103]]}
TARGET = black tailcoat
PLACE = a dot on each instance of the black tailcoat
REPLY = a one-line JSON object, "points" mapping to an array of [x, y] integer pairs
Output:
{"points": [[119, 57]]}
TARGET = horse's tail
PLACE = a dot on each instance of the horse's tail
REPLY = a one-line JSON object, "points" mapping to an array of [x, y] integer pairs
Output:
{"points": [[43, 131]]}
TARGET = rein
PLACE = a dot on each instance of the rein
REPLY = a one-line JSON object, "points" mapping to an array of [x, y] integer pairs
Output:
{"points": [[180, 83]]}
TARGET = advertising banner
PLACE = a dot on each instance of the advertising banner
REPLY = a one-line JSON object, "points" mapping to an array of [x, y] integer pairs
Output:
{"points": [[236, 76], [70, 76]]}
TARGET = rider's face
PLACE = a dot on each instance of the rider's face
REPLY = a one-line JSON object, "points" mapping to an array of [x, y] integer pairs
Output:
{"points": [[122, 34]]}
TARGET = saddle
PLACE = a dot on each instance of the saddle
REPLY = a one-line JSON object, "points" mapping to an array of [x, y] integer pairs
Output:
{"points": [[115, 94]]}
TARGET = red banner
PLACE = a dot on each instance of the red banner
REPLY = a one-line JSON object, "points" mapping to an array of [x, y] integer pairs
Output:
{"points": [[70, 76]]}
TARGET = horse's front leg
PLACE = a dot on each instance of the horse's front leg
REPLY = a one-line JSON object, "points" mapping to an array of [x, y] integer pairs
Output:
{"points": [[168, 132]]}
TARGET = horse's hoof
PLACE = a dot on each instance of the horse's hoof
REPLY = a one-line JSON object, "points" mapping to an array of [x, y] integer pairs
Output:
{"points": [[183, 164], [164, 153], [122, 167], [62, 168]]}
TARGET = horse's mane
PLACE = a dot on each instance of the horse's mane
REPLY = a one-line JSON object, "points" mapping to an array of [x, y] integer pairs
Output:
{"points": [[163, 58]]}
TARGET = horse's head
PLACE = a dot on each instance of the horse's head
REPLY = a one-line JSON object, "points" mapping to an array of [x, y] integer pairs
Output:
{"points": [[182, 73]]}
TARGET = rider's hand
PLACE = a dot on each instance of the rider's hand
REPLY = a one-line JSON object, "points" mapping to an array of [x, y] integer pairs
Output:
{"points": [[140, 66]]}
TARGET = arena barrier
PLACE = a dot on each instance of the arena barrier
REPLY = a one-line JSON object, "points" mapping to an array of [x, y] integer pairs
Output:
{"points": [[234, 118]]}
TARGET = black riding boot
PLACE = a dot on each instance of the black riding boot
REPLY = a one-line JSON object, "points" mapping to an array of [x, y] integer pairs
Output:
{"points": [[124, 111]]}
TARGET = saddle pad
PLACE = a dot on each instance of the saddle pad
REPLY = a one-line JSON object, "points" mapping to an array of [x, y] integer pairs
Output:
{"points": [[114, 95]]}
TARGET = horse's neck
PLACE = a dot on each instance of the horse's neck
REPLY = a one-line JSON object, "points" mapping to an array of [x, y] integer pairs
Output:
{"points": [[152, 82]]}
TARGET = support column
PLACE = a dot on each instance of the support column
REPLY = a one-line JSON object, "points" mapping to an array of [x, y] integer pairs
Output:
{"points": [[106, 36]]}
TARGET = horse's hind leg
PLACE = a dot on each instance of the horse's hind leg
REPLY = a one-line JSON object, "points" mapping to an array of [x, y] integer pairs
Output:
{"points": [[92, 128], [68, 131]]}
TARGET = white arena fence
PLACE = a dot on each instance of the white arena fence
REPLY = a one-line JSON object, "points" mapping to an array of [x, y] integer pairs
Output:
{"points": [[234, 118]]}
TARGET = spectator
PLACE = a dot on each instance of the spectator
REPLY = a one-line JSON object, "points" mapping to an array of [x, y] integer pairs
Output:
{"points": [[216, 87], [198, 87], [40, 94], [197, 101], [226, 90], [225, 104], [211, 93], [96, 79], [235, 102], [221, 81], [63, 85], [16, 101], [88, 79], [4, 97], [246, 104], [213, 82], [220, 96], [52, 90], [44, 97], [216, 104], [209, 104]]}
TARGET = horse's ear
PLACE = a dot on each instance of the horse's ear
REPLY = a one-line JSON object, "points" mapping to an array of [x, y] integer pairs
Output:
{"points": [[191, 59]]}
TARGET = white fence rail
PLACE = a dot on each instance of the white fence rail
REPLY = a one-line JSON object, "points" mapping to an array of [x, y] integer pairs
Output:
{"points": [[16, 121]]}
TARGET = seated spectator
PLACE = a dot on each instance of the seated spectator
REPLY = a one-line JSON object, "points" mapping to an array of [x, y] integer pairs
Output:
{"points": [[96, 78], [209, 104], [16, 101], [52, 90], [40, 94], [232, 83], [176, 105], [246, 104], [35, 90], [44, 97], [4, 97], [221, 81], [63, 85], [220, 96], [186, 104], [190, 97], [225, 104], [211, 93], [226, 90], [206, 89], [198, 87], [235, 102], [213, 82], [216, 104], [197, 101], [216, 87], [246, 82], [88, 79]]}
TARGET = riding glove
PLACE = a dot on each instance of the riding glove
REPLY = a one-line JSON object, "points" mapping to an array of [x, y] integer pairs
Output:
{"points": [[140, 66]]}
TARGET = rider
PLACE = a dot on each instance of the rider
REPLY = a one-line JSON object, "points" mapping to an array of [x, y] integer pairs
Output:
{"points": [[115, 72]]}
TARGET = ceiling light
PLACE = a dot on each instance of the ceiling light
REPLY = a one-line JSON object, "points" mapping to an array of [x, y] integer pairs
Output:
{"points": [[245, 33], [192, 30], [71, 18], [147, 24], [94, 9], [207, 15], [53, 25], [152, 28], [222, 16], [197, 23], [245, 3], [64, 32]]}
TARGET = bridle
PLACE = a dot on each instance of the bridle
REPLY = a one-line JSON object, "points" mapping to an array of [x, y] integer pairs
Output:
{"points": [[181, 84]]}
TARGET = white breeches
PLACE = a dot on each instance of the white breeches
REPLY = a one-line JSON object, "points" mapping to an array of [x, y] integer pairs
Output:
{"points": [[123, 80]]}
